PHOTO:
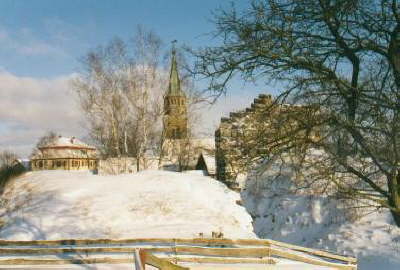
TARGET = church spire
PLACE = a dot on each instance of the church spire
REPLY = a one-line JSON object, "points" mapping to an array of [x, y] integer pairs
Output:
{"points": [[175, 110], [174, 87]]}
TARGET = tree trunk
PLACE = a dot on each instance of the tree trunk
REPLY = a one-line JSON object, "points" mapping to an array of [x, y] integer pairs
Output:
{"points": [[394, 197]]}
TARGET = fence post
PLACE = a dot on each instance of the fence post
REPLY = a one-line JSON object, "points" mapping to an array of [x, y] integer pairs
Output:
{"points": [[140, 260]]}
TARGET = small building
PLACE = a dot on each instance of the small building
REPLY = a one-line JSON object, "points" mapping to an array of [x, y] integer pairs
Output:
{"points": [[62, 153], [206, 163]]}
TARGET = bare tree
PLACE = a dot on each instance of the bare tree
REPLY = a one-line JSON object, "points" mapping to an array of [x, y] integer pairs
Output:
{"points": [[146, 97], [7, 158], [47, 138], [8, 169], [120, 93], [341, 56]]}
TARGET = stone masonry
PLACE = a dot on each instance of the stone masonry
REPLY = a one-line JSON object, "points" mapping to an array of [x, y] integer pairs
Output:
{"points": [[237, 140]]}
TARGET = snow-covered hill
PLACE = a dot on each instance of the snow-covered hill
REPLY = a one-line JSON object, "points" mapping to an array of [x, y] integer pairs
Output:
{"points": [[63, 204], [320, 222]]}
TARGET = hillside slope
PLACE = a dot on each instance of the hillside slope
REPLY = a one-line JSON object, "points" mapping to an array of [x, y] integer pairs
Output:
{"points": [[63, 204], [321, 222]]}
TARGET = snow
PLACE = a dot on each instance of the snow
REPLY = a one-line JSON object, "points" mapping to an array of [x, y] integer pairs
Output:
{"points": [[66, 141], [47, 205], [63, 204], [321, 222]]}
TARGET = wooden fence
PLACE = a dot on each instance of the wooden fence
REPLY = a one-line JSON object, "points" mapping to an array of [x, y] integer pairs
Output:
{"points": [[165, 253]]}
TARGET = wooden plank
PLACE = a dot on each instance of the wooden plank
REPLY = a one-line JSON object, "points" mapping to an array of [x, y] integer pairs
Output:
{"points": [[301, 258], [258, 252], [44, 251], [77, 250], [173, 241], [140, 261], [221, 252], [159, 263], [319, 253], [247, 252], [223, 260], [225, 252], [76, 242], [64, 261]]}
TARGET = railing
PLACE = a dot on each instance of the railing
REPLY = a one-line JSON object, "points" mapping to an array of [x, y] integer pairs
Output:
{"points": [[165, 253]]}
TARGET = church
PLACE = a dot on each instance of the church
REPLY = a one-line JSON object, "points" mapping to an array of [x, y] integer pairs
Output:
{"points": [[175, 106], [179, 149]]}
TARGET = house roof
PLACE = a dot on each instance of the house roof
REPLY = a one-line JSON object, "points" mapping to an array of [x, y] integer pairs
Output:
{"points": [[64, 147], [66, 142]]}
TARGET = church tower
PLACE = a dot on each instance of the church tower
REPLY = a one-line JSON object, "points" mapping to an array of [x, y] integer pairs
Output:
{"points": [[175, 109]]}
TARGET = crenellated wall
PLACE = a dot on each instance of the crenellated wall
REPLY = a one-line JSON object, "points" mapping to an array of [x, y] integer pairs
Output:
{"points": [[237, 140], [228, 137]]}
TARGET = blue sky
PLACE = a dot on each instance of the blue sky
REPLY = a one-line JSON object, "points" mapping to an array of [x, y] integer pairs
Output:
{"points": [[62, 31], [42, 40]]}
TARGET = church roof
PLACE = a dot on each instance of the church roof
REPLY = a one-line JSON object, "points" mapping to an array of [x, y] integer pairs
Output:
{"points": [[174, 86]]}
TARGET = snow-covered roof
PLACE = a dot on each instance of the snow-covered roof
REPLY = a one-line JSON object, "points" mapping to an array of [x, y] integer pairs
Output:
{"points": [[68, 142], [209, 160]]}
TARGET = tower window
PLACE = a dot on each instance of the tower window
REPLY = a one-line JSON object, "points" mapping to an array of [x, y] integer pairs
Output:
{"points": [[176, 133]]}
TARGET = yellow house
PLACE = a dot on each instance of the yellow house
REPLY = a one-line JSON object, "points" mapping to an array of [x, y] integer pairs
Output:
{"points": [[63, 153]]}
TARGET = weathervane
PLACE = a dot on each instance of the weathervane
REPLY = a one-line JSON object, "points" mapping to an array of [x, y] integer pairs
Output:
{"points": [[173, 45]]}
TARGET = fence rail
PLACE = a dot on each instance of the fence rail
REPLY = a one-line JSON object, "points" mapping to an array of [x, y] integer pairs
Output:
{"points": [[165, 253]]}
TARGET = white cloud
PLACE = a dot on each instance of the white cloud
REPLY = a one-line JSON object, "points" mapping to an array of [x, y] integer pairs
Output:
{"points": [[29, 107], [24, 42]]}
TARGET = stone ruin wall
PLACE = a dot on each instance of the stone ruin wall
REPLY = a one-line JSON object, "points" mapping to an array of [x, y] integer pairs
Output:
{"points": [[226, 140], [236, 135]]}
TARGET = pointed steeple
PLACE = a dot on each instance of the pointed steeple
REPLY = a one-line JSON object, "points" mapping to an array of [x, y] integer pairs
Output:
{"points": [[174, 87], [175, 108]]}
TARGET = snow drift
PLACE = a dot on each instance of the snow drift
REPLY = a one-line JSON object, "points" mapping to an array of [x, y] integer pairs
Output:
{"points": [[320, 222], [64, 204]]}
